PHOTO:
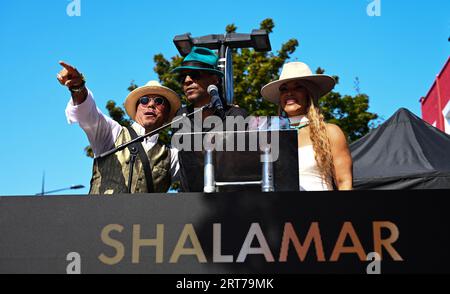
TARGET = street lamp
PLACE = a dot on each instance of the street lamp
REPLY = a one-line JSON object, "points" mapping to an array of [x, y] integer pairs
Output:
{"points": [[73, 187], [258, 40]]}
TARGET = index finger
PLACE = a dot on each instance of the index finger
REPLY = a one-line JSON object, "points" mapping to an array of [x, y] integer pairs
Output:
{"points": [[69, 67]]}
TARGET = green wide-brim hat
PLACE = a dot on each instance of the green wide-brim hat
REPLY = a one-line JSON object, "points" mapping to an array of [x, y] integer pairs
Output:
{"points": [[200, 58]]}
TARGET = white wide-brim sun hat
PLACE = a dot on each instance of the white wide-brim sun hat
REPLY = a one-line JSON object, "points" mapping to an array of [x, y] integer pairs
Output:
{"points": [[317, 85], [152, 87]]}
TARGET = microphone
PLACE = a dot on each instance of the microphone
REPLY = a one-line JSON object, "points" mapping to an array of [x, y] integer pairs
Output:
{"points": [[216, 103]]}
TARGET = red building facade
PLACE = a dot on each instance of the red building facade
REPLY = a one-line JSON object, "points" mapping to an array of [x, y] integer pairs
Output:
{"points": [[436, 104]]}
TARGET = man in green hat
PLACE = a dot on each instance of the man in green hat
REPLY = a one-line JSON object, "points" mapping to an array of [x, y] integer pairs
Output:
{"points": [[197, 72]]}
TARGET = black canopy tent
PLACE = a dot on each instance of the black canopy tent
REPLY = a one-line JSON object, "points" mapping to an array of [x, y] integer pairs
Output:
{"points": [[405, 152]]}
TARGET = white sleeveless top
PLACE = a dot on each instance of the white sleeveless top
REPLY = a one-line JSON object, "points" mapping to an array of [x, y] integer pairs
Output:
{"points": [[310, 178]]}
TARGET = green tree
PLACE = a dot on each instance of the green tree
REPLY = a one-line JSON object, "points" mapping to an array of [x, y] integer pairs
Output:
{"points": [[350, 113]]}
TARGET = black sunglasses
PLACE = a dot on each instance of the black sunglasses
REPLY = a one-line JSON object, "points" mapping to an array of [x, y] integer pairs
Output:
{"points": [[195, 75], [157, 100]]}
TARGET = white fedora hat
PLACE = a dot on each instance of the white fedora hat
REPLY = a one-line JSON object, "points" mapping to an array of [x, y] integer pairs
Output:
{"points": [[152, 87], [318, 85]]}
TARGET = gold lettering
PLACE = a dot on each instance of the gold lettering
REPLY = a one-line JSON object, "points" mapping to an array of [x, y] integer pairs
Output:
{"points": [[188, 231], [138, 243], [106, 239]]}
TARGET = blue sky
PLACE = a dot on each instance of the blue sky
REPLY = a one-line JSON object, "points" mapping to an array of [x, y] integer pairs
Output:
{"points": [[396, 57]]}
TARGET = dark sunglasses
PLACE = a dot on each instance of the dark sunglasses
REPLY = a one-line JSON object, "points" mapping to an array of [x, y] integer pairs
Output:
{"points": [[195, 75], [159, 101], [284, 88]]}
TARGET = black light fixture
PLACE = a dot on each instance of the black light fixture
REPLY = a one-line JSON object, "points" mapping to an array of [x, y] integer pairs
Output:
{"points": [[183, 43], [258, 39], [261, 41]]}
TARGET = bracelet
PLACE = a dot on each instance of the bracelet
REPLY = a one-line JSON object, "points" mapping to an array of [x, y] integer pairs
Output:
{"points": [[77, 89]]}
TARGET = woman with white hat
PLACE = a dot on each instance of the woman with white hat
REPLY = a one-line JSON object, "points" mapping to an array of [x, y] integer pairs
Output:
{"points": [[325, 162]]}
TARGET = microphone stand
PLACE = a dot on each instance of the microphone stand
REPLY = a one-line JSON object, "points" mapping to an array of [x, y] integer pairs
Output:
{"points": [[140, 139]]}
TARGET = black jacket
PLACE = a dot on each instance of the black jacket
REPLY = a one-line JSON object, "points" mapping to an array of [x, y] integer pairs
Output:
{"points": [[227, 111], [191, 163]]}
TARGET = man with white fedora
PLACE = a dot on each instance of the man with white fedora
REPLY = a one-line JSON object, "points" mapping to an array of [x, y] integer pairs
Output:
{"points": [[150, 106]]}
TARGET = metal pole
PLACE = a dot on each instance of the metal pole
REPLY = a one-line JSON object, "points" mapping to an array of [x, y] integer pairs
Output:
{"points": [[133, 155], [74, 187], [440, 118], [267, 172], [222, 62], [209, 183], [228, 78]]}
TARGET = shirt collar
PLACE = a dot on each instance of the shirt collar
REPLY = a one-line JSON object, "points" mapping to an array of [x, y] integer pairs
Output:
{"points": [[140, 130]]}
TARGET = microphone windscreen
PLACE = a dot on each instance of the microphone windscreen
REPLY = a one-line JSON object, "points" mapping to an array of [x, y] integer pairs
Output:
{"points": [[212, 88]]}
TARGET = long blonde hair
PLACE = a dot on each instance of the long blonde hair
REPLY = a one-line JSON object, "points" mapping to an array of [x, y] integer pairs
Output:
{"points": [[321, 142]]}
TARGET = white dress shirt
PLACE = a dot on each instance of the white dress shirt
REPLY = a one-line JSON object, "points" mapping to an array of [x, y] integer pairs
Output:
{"points": [[102, 131]]}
